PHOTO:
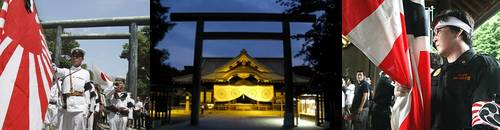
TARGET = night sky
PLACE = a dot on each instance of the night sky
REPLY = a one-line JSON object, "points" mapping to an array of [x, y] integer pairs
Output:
{"points": [[180, 40]]}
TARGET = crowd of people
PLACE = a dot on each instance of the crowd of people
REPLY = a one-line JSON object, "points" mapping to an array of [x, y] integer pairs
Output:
{"points": [[465, 90], [365, 107], [77, 103]]}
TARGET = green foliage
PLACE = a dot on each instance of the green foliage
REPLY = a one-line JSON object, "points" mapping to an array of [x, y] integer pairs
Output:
{"points": [[487, 37], [67, 45]]}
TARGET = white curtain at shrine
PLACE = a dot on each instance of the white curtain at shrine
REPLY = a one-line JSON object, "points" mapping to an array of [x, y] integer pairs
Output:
{"points": [[259, 93], [224, 93]]}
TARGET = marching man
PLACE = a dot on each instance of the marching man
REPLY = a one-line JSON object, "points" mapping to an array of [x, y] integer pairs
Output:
{"points": [[74, 105], [121, 106]]}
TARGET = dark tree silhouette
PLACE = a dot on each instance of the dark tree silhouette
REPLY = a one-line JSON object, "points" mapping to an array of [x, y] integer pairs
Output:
{"points": [[159, 22], [160, 26], [321, 49]]}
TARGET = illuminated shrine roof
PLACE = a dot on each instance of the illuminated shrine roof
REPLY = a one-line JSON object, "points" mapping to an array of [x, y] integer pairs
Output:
{"points": [[221, 69]]}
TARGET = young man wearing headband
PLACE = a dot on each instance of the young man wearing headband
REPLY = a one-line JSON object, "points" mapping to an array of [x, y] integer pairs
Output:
{"points": [[464, 87]]}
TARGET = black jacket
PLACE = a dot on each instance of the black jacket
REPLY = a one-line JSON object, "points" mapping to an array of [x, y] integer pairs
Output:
{"points": [[457, 86], [384, 92]]}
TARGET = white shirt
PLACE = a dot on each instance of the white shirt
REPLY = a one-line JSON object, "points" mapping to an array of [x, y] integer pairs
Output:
{"points": [[343, 99], [138, 105], [54, 93], [119, 103], [77, 79], [349, 92]]}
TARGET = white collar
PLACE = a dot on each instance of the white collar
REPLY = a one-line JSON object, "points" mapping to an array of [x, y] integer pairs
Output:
{"points": [[75, 68]]}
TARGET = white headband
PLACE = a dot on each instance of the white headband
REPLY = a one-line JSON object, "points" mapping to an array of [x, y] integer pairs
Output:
{"points": [[453, 21]]}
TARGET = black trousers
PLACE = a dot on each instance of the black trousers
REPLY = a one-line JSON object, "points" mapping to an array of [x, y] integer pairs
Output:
{"points": [[381, 118]]}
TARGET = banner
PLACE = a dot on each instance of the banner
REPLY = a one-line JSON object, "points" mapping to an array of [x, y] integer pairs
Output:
{"points": [[25, 72], [379, 30], [224, 93]]}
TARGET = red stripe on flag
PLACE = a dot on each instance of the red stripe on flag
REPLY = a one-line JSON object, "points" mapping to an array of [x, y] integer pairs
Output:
{"points": [[425, 82], [478, 104], [41, 89], [475, 121], [354, 11], [7, 53], [474, 111], [17, 117]]}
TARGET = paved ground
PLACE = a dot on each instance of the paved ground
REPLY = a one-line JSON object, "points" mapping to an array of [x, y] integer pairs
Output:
{"points": [[240, 120]]}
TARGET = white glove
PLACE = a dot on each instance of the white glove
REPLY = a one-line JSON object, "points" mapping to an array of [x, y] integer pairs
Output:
{"points": [[401, 90]]}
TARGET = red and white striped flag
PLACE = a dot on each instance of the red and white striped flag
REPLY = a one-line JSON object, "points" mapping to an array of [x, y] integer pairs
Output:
{"points": [[417, 111], [378, 28], [25, 72]]}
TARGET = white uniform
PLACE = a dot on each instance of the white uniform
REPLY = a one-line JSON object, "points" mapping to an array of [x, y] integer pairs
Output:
{"points": [[349, 93], [119, 121], [138, 106], [75, 115], [52, 116]]}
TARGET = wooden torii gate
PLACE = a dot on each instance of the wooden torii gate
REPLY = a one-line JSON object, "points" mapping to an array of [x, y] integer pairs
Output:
{"points": [[201, 35]]}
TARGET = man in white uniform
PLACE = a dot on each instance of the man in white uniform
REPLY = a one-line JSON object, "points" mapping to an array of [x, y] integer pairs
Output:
{"points": [[121, 106], [75, 106], [138, 110]]}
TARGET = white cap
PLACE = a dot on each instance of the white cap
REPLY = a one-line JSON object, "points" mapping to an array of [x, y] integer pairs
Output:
{"points": [[78, 49]]}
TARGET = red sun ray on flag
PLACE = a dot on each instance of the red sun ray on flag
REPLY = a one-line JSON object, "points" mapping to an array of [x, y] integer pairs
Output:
{"points": [[25, 72]]}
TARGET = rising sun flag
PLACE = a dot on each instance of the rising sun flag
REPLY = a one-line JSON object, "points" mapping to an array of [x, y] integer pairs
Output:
{"points": [[25, 72]]}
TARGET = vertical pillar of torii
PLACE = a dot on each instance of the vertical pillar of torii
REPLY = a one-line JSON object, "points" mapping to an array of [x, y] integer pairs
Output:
{"points": [[132, 61], [58, 45], [195, 91], [289, 93]]}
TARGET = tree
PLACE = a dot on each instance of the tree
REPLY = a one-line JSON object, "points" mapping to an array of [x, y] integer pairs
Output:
{"points": [[159, 22], [486, 37], [321, 42], [67, 45], [160, 26], [143, 60]]}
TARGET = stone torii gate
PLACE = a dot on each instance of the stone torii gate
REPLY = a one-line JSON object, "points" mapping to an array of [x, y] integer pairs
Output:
{"points": [[201, 35], [131, 22]]}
